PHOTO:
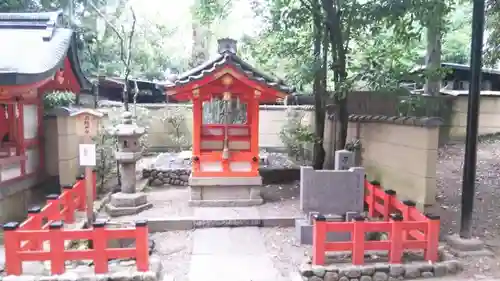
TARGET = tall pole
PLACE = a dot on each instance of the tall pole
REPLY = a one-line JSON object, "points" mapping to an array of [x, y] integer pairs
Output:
{"points": [[469, 173]]}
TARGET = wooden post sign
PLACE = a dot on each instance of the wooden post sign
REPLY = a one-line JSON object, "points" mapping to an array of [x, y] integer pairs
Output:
{"points": [[87, 126]]}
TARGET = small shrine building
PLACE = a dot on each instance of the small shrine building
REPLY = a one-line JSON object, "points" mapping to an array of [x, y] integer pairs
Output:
{"points": [[39, 55], [225, 93]]}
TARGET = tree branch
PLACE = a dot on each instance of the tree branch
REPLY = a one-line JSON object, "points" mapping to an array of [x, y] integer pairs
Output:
{"points": [[108, 23], [130, 38]]}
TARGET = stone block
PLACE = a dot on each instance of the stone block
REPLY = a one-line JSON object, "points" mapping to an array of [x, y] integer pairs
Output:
{"points": [[331, 191], [344, 159], [125, 204], [126, 211], [121, 199], [304, 231]]}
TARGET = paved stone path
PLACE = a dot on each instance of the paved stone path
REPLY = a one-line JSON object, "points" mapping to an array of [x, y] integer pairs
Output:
{"points": [[236, 254]]}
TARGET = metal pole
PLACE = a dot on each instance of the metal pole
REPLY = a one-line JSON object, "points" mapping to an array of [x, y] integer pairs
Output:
{"points": [[469, 173]]}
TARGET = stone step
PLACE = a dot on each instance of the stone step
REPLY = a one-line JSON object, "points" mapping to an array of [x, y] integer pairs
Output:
{"points": [[225, 196]]}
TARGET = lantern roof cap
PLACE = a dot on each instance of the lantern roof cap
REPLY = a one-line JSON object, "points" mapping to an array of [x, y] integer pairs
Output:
{"points": [[127, 127]]}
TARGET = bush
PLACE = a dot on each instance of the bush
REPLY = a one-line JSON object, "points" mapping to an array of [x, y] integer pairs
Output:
{"points": [[58, 99], [295, 135]]}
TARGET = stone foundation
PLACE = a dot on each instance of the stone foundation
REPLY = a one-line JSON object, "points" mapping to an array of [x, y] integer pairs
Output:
{"points": [[379, 271], [123, 270], [179, 177]]}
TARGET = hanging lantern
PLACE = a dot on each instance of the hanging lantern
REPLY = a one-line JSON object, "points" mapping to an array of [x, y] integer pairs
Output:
{"points": [[60, 76]]}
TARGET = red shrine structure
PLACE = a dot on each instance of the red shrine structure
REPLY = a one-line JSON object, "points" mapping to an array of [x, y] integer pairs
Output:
{"points": [[226, 92], [37, 55]]}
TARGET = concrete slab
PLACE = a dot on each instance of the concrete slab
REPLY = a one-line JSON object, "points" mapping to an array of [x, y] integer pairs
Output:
{"points": [[232, 268], [226, 213], [236, 254], [227, 241], [461, 244]]}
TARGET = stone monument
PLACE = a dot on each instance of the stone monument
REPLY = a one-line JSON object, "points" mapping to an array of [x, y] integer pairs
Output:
{"points": [[337, 194], [127, 201]]}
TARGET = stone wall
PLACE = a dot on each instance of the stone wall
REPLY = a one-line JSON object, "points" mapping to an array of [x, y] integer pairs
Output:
{"points": [[489, 116], [272, 119], [400, 152]]}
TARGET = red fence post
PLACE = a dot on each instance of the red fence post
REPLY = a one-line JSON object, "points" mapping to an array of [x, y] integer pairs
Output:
{"points": [[57, 260], [370, 198], [34, 214], [319, 239], [409, 205], [80, 193], [94, 183], [431, 250], [69, 203], [142, 245], [389, 196], [358, 241], [396, 251], [54, 211], [13, 264], [100, 243]]}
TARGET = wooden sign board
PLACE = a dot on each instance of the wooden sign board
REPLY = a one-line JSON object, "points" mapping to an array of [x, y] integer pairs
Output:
{"points": [[87, 125]]}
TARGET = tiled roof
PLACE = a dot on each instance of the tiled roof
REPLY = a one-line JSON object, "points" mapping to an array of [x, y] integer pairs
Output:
{"points": [[33, 46], [229, 58]]}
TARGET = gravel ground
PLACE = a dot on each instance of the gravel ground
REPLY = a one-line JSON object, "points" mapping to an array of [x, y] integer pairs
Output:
{"points": [[485, 223], [285, 250], [174, 249]]}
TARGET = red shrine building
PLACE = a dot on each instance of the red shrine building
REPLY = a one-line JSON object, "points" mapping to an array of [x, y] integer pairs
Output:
{"points": [[37, 55], [225, 93]]}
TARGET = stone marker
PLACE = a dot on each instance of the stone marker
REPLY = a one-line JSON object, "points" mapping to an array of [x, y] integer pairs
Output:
{"points": [[344, 159], [336, 194], [331, 191], [127, 201]]}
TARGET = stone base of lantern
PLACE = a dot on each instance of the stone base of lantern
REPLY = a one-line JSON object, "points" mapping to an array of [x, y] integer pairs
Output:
{"points": [[125, 204], [225, 192]]}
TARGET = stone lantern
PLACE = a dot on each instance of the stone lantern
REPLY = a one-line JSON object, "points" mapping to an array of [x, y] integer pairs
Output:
{"points": [[127, 201]]}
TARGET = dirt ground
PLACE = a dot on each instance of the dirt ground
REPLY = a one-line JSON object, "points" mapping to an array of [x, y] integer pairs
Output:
{"points": [[486, 206]]}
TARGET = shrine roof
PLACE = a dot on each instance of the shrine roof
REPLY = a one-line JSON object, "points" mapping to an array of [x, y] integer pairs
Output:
{"points": [[226, 58], [36, 48]]}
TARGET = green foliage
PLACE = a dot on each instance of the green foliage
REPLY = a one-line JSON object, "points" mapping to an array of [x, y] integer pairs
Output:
{"points": [[58, 99], [493, 24], [107, 144], [295, 135], [174, 123]]}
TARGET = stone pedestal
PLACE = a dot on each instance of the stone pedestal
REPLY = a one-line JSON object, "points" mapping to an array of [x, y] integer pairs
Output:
{"points": [[125, 204], [127, 201]]}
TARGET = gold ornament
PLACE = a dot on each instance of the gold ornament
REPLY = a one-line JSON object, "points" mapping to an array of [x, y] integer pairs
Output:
{"points": [[227, 80], [257, 94], [227, 96]]}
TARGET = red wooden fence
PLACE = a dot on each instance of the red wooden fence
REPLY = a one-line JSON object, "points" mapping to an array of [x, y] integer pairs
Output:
{"points": [[15, 254], [408, 229], [24, 241]]}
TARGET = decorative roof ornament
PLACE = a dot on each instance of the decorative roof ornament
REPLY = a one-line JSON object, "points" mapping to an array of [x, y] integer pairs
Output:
{"points": [[227, 45]]}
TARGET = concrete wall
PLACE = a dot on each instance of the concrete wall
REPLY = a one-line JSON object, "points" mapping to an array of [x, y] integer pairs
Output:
{"points": [[399, 152], [272, 119], [489, 117]]}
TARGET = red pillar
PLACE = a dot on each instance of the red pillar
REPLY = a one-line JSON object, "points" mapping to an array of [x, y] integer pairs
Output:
{"points": [[254, 134], [197, 123], [142, 246]]}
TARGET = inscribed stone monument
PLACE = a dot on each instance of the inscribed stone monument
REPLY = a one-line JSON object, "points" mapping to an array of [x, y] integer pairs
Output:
{"points": [[336, 194]]}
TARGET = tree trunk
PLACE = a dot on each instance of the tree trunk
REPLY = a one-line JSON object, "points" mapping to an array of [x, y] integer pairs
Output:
{"points": [[433, 60], [319, 110], [339, 51]]}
